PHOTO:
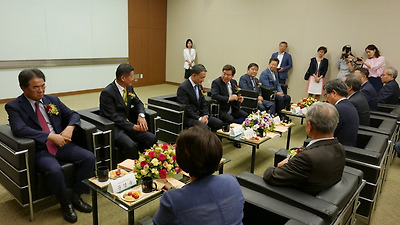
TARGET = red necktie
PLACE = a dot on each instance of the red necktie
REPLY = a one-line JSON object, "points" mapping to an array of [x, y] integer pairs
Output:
{"points": [[51, 147]]}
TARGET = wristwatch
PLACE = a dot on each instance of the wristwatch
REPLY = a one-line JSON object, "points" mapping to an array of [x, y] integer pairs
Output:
{"points": [[142, 115]]}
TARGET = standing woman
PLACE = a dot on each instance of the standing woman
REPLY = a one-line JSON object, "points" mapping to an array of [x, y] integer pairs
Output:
{"points": [[375, 65], [317, 70], [189, 54]]}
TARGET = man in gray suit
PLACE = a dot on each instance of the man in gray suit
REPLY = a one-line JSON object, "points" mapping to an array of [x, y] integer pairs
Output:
{"points": [[321, 164]]}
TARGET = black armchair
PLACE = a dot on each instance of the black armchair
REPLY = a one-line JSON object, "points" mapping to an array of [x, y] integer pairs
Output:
{"points": [[103, 139], [336, 205], [18, 172], [250, 100]]}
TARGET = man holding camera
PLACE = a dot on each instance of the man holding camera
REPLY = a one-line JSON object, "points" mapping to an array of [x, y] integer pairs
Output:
{"points": [[346, 63]]}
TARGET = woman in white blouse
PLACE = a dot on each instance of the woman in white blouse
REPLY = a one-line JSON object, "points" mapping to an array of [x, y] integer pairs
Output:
{"points": [[189, 54]]}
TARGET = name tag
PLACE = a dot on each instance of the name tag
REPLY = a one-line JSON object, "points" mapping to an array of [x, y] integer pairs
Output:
{"points": [[122, 183]]}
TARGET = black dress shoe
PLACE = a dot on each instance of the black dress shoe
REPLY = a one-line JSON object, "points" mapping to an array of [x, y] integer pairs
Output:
{"points": [[237, 144], [81, 206], [69, 213]]}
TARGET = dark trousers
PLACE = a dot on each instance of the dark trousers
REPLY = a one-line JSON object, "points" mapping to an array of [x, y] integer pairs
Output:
{"points": [[49, 165], [282, 102], [213, 123], [130, 143], [233, 117]]}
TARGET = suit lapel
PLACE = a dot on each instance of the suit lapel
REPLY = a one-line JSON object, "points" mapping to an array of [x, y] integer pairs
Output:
{"points": [[118, 94], [27, 107]]}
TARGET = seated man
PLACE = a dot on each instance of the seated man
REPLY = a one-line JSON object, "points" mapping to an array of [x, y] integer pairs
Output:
{"points": [[322, 162], [120, 104], [347, 128], [389, 93], [224, 89], [269, 77], [249, 81], [51, 129], [190, 93], [367, 89], [356, 97]]}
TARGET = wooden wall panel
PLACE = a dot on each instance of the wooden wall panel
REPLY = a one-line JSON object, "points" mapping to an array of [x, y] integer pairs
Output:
{"points": [[147, 40]]}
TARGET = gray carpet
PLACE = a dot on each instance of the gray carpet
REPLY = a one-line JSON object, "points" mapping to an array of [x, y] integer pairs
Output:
{"points": [[48, 212]]}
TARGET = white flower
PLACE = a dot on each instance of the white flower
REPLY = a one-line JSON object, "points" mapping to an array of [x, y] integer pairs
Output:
{"points": [[155, 162], [143, 172]]}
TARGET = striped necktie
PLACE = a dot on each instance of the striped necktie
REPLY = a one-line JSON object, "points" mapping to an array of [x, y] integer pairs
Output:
{"points": [[125, 96]]}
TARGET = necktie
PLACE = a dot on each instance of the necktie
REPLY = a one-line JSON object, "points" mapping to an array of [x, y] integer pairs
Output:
{"points": [[51, 147], [229, 86], [254, 83], [125, 97], [196, 91]]}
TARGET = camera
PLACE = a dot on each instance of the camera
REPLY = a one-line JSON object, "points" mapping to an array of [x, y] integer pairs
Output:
{"points": [[345, 56], [359, 59]]}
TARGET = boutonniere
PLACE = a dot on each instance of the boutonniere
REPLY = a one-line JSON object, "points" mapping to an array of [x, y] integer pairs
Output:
{"points": [[131, 95], [237, 89], [204, 93], [51, 109], [294, 151], [259, 84]]}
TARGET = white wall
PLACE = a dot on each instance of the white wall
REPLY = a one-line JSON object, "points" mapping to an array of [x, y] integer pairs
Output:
{"points": [[49, 29], [239, 32]]}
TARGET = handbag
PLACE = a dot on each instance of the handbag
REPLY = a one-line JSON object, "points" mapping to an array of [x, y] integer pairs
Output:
{"points": [[307, 75]]}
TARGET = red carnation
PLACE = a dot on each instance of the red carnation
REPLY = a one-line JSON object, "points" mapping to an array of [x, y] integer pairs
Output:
{"points": [[178, 170], [165, 146], [152, 154], [143, 163], [304, 99], [298, 151], [174, 157], [163, 173], [161, 157], [48, 107]]}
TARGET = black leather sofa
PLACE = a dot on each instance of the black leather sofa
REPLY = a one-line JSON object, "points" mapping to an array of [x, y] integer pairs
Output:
{"points": [[18, 173], [250, 100], [336, 205], [103, 138]]}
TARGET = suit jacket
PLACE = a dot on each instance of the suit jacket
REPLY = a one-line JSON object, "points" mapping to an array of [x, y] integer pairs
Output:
{"points": [[219, 92], [24, 122], [246, 84], [315, 169], [362, 107], [370, 94], [323, 66], [113, 107], [267, 80], [389, 93], [286, 64], [186, 95], [347, 128]]}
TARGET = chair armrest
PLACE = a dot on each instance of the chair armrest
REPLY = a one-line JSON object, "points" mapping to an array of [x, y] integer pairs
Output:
{"points": [[151, 117], [166, 101], [92, 116], [82, 135], [304, 201], [280, 155]]}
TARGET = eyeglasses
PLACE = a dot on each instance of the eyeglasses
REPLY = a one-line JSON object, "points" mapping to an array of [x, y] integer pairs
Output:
{"points": [[37, 88]]}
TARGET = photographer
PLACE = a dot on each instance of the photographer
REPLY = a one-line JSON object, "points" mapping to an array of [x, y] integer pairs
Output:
{"points": [[346, 63]]}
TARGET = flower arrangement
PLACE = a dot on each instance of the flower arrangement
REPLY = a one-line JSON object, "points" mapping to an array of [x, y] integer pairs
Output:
{"points": [[259, 119], [131, 95], [306, 102], [157, 161], [204, 93], [294, 151], [51, 109]]}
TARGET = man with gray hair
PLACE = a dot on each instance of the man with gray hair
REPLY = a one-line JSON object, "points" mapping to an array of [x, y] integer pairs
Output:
{"points": [[389, 93], [357, 98], [347, 128], [321, 164]]}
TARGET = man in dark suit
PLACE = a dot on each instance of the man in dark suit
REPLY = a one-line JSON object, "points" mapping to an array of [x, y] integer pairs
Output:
{"points": [[356, 97], [285, 62], [269, 77], [224, 89], [191, 93], [367, 89], [50, 123], [389, 93], [347, 128], [249, 81], [321, 163], [120, 104]]}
